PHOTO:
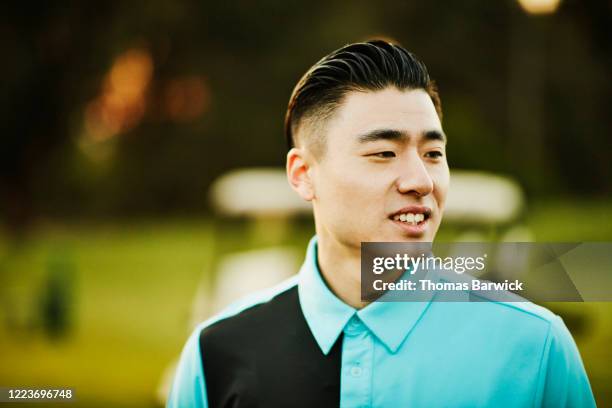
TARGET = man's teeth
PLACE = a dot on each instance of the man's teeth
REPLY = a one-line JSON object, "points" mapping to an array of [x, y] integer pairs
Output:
{"points": [[410, 218]]}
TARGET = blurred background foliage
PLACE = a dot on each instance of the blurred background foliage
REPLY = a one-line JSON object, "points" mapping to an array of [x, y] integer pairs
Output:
{"points": [[116, 108], [118, 116]]}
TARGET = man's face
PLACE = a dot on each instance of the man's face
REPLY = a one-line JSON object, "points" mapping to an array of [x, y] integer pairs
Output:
{"points": [[384, 175]]}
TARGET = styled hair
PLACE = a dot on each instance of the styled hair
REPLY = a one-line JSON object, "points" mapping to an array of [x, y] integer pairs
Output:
{"points": [[366, 66]]}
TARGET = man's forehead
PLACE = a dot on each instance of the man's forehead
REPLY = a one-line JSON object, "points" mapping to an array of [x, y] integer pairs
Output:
{"points": [[408, 113]]}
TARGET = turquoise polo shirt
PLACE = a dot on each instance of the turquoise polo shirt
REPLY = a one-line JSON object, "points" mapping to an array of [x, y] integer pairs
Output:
{"points": [[297, 344]]}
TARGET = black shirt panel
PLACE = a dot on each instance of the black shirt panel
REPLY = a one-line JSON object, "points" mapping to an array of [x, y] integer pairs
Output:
{"points": [[266, 356]]}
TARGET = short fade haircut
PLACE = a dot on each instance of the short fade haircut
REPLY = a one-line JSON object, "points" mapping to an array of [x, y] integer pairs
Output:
{"points": [[366, 66]]}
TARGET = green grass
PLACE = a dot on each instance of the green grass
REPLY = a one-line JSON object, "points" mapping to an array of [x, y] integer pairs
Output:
{"points": [[134, 285], [564, 220], [134, 288]]}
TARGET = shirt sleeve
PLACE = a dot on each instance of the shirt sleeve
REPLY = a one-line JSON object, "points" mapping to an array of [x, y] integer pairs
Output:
{"points": [[563, 379], [188, 388]]}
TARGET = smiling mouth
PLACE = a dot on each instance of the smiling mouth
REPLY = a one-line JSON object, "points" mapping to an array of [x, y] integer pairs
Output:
{"points": [[412, 218]]}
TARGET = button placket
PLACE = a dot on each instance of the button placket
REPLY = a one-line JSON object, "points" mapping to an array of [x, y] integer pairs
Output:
{"points": [[356, 372]]}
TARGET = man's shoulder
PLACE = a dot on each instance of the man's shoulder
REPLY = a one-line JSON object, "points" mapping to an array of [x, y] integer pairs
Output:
{"points": [[262, 336], [257, 309], [503, 301], [520, 310]]}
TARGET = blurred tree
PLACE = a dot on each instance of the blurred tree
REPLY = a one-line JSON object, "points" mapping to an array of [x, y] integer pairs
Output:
{"points": [[49, 52], [217, 77]]}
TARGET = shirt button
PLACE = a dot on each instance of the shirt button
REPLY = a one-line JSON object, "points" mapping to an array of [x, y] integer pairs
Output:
{"points": [[356, 371]]}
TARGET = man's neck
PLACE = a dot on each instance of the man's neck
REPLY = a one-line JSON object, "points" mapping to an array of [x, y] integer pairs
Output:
{"points": [[340, 268]]}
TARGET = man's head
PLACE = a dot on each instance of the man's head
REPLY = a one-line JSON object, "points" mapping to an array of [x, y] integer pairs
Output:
{"points": [[367, 146]]}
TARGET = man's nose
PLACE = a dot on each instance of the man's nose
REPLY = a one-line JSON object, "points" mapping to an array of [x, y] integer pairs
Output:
{"points": [[414, 177]]}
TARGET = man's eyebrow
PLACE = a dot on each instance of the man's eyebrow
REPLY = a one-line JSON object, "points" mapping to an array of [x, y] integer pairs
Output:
{"points": [[381, 134], [398, 135], [434, 135]]}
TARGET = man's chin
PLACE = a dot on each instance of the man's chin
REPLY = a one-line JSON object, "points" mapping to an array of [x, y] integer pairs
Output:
{"points": [[404, 232], [425, 237]]}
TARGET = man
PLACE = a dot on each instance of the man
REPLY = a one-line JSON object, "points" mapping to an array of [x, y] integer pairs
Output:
{"points": [[368, 150]]}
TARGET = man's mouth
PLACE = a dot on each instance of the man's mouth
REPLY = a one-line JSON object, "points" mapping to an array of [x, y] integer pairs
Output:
{"points": [[414, 215]]}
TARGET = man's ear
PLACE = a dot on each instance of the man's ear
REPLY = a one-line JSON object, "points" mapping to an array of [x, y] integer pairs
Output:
{"points": [[298, 172]]}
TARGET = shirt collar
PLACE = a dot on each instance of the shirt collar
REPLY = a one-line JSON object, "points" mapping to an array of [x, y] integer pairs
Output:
{"points": [[326, 314]]}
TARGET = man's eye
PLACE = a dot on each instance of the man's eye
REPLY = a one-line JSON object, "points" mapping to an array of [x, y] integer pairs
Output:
{"points": [[434, 154], [384, 155]]}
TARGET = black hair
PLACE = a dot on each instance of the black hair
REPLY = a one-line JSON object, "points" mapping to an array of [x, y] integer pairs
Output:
{"points": [[372, 65]]}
